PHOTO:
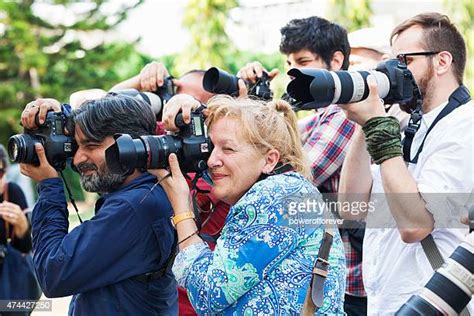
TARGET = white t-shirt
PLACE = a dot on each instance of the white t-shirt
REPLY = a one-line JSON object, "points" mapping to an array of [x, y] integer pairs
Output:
{"points": [[393, 270]]}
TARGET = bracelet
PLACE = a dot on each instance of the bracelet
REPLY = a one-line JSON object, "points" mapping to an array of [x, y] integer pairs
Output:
{"points": [[195, 233], [181, 217], [382, 135]]}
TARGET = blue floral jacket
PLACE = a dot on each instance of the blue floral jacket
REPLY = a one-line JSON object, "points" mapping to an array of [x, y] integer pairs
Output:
{"points": [[262, 261]]}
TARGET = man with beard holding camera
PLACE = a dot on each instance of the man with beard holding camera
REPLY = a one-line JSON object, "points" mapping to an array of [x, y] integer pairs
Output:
{"points": [[439, 161], [118, 262]]}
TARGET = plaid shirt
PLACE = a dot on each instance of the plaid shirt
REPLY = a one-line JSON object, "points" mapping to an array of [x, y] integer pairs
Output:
{"points": [[326, 137], [354, 282]]}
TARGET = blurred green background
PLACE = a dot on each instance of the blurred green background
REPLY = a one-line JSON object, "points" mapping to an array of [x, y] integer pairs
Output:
{"points": [[42, 59]]}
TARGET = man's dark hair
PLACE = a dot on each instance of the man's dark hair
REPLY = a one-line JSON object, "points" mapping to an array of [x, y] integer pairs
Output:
{"points": [[114, 114], [439, 34], [317, 35]]}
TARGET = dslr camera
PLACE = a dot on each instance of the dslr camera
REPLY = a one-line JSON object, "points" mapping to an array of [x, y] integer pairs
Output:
{"points": [[192, 146], [218, 81], [58, 146], [317, 88]]}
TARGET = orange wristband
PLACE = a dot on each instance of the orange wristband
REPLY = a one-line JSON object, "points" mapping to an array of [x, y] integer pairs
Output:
{"points": [[181, 217]]}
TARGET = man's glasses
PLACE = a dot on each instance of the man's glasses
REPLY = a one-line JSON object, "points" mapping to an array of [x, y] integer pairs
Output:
{"points": [[402, 58]]}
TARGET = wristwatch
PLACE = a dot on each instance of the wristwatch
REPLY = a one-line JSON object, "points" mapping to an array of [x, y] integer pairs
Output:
{"points": [[181, 217]]}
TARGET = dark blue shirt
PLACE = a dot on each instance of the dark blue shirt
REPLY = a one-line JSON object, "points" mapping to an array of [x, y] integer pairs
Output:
{"points": [[96, 261]]}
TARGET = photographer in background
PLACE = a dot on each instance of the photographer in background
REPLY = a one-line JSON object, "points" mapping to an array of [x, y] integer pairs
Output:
{"points": [[117, 263], [213, 211], [317, 43], [14, 224], [152, 77], [439, 161], [367, 50]]}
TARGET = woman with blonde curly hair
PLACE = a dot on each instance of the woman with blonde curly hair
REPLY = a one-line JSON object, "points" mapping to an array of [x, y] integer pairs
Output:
{"points": [[262, 262]]}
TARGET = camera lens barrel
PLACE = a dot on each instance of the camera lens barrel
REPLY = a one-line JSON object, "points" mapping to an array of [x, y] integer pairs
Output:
{"points": [[146, 152], [21, 148], [319, 87], [218, 81], [450, 288], [159, 148]]}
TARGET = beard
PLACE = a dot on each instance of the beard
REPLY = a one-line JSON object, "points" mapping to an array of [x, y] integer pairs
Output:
{"points": [[426, 84], [101, 181]]}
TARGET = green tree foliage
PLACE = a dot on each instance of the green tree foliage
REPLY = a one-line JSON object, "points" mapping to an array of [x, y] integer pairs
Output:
{"points": [[41, 59], [462, 14], [352, 14], [205, 20]]}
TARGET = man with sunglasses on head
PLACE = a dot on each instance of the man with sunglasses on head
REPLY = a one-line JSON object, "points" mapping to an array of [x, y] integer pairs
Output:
{"points": [[423, 186]]}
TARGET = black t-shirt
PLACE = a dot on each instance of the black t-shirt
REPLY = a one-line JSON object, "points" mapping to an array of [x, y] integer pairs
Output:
{"points": [[15, 195]]}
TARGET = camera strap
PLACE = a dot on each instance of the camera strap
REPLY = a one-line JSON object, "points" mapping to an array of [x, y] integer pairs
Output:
{"points": [[459, 97], [4, 237], [315, 293], [150, 276]]}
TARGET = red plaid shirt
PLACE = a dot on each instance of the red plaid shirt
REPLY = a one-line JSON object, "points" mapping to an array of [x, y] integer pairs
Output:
{"points": [[354, 283], [326, 137]]}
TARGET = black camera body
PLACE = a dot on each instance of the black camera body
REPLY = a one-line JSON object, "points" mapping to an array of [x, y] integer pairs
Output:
{"points": [[166, 91], [58, 146], [218, 81], [192, 146], [317, 88]]}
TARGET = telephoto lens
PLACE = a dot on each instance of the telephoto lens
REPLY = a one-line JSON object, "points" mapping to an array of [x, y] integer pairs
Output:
{"points": [[192, 146], [218, 81], [450, 288], [146, 152], [317, 88]]}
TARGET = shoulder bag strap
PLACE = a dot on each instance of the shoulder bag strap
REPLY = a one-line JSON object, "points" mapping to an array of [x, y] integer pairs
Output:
{"points": [[315, 293]]}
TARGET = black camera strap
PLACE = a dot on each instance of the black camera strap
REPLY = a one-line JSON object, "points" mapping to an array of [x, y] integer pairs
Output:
{"points": [[459, 97], [153, 275]]}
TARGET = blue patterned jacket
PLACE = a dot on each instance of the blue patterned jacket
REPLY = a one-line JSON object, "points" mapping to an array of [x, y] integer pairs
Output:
{"points": [[262, 262]]}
